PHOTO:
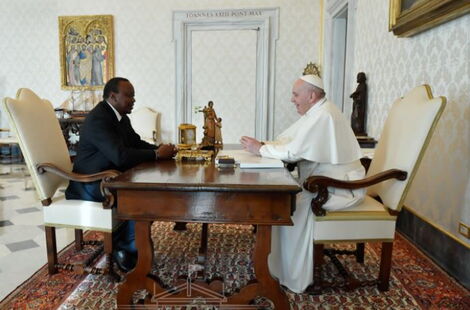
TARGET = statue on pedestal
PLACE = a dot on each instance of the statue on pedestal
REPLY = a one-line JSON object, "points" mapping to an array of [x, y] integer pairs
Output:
{"points": [[212, 127], [358, 116]]}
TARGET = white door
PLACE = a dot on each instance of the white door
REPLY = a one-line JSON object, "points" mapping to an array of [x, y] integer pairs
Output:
{"points": [[224, 71]]}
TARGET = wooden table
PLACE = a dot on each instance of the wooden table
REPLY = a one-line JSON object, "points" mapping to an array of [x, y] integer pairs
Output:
{"points": [[203, 193]]}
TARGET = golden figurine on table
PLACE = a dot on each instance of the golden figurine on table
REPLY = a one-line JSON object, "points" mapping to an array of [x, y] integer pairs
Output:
{"points": [[212, 139], [212, 127]]}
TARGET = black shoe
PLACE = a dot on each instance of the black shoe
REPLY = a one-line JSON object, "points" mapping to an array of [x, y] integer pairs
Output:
{"points": [[125, 261], [180, 226]]}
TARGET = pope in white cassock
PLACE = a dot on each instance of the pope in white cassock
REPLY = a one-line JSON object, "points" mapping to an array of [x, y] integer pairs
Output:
{"points": [[321, 142]]}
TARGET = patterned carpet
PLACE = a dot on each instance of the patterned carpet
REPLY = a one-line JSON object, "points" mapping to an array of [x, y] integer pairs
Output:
{"points": [[416, 283]]}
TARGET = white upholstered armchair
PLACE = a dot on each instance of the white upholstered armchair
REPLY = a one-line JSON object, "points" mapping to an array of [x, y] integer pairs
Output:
{"points": [[45, 152], [405, 136], [145, 123]]}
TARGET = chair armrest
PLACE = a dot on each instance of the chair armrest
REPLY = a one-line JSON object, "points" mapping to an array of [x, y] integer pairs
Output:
{"points": [[320, 184], [105, 175], [311, 183], [78, 177]]}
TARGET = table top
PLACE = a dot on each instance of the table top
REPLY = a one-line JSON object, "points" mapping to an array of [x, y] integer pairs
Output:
{"points": [[171, 175]]}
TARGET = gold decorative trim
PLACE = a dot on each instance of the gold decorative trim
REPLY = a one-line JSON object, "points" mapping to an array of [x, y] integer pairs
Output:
{"points": [[312, 68], [423, 15], [442, 230], [425, 145], [352, 241], [84, 33], [394, 11], [205, 155], [357, 216]]}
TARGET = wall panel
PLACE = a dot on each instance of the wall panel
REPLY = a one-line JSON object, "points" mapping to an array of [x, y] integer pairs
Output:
{"points": [[438, 57]]}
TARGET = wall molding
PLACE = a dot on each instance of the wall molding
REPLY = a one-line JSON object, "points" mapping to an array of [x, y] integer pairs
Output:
{"points": [[444, 249], [332, 8], [265, 21], [442, 230]]}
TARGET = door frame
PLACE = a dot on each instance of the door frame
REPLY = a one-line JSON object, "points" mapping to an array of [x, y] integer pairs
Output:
{"points": [[265, 21], [332, 9]]}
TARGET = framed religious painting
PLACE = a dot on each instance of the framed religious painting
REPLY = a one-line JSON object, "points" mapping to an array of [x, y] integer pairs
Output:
{"points": [[86, 51], [409, 17]]}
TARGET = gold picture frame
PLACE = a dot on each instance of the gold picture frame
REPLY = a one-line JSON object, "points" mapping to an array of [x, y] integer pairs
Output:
{"points": [[409, 17], [86, 51]]}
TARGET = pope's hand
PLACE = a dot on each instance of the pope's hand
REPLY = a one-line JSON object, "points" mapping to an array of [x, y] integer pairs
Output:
{"points": [[251, 144], [166, 151]]}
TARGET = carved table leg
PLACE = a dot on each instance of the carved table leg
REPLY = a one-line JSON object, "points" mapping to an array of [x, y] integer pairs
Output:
{"points": [[201, 259], [266, 286], [138, 279]]}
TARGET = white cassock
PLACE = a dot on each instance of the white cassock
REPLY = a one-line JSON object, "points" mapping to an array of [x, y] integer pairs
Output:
{"points": [[322, 143]]}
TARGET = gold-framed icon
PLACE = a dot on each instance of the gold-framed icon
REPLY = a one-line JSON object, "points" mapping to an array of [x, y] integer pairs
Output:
{"points": [[86, 51]]}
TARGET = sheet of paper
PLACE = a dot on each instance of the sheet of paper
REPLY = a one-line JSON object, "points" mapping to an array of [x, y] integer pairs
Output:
{"points": [[247, 160]]}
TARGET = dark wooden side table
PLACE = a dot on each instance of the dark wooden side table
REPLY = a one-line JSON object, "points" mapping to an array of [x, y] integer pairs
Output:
{"points": [[202, 193]]}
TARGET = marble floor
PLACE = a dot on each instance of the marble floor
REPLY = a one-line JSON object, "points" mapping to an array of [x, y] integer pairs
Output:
{"points": [[22, 237]]}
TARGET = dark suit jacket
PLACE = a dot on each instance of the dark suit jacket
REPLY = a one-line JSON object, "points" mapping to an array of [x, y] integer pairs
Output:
{"points": [[106, 143]]}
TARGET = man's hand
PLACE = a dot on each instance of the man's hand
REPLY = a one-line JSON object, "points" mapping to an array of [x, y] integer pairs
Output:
{"points": [[165, 151], [251, 145]]}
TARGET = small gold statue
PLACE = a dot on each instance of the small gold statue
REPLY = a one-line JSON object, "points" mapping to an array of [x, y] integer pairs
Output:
{"points": [[212, 127]]}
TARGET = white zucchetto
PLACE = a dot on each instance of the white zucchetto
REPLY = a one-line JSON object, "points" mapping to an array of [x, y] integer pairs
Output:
{"points": [[313, 80]]}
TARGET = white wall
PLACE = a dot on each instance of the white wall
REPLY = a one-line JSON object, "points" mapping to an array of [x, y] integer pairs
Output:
{"points": [[232, 79], [144, 51], [438, 57]]}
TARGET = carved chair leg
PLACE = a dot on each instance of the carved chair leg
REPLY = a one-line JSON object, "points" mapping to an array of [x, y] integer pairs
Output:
{"points": [[360, 252], [51, 246], [351, 283], [385, 266], [108, 252], [180, 226], [78, 239], [108, 243]]}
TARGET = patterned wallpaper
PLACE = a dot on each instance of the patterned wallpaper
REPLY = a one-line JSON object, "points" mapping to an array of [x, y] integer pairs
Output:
{"points": [[438, 57], [29, 49], [144, 51]]}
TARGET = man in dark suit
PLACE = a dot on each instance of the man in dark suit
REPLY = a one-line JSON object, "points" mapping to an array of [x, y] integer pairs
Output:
{"points": [[108, 141]]}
